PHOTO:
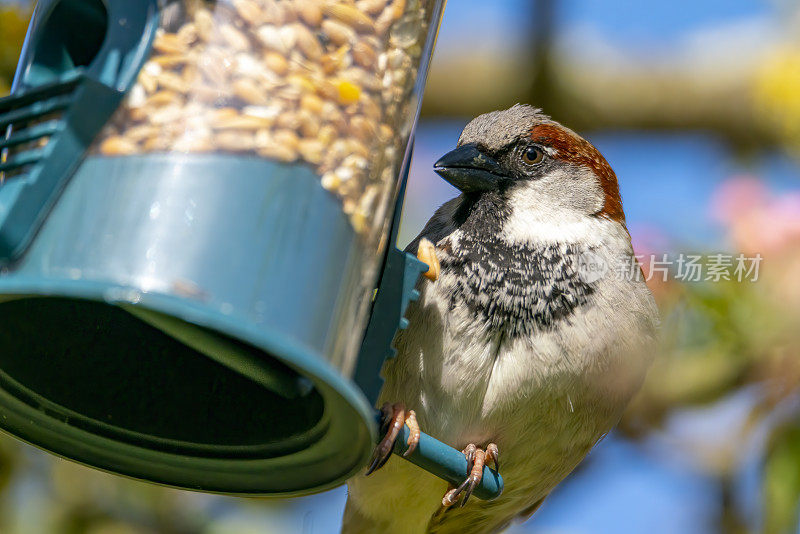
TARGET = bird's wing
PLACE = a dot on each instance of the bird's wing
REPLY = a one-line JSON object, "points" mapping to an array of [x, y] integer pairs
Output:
{"points": [[439, 226]]}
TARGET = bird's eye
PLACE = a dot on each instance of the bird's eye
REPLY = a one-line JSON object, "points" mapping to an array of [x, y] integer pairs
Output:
{"points": [[532, 155]]}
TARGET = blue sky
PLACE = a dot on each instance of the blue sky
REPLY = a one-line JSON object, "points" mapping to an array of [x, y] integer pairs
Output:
{"points": [[633, 22], [625, 23]]}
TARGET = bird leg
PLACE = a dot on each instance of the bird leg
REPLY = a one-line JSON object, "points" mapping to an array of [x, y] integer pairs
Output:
{"points": [[394, 416], [426, 253], [476, 459]]}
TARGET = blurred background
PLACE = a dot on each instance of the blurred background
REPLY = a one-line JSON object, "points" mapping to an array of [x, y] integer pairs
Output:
{"points": [[696, 105]]}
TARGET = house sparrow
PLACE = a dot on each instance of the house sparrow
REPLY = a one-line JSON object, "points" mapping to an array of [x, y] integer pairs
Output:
{"points": [[531, 340]]}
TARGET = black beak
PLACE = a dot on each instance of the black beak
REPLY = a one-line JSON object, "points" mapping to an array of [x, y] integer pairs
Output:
{"points": [[469, 169]]}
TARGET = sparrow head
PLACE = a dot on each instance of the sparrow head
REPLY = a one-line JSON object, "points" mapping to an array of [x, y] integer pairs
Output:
{"points": [[535, 164]]}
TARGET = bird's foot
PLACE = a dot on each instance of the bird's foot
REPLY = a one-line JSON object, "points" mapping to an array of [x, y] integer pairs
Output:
{"points": [[394, 417], [476, 459], [426, 253]]}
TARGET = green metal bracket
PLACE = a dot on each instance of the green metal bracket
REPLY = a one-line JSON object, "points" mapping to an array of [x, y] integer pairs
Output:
{"points": [[395, 292]]}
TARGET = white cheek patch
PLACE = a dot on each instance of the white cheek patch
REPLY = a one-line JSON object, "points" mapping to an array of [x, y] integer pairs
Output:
{"points": [[551, 227], [560, 208]]}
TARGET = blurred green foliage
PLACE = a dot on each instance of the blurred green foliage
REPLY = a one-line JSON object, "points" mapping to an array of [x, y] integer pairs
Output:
{"points": [[13, 25], [727, 338], [782, 480]]}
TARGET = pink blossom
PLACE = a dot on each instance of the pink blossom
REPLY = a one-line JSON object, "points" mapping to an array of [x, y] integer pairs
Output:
{"points": [[736, 195], [758, 220]]}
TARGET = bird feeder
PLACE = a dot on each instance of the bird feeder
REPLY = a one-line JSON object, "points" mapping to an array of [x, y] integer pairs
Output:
{"points": [[198, 201]]}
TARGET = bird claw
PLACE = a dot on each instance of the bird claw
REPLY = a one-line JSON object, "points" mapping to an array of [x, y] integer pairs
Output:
{"points": [[394, 417], [426, 253], [476, 459]]}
